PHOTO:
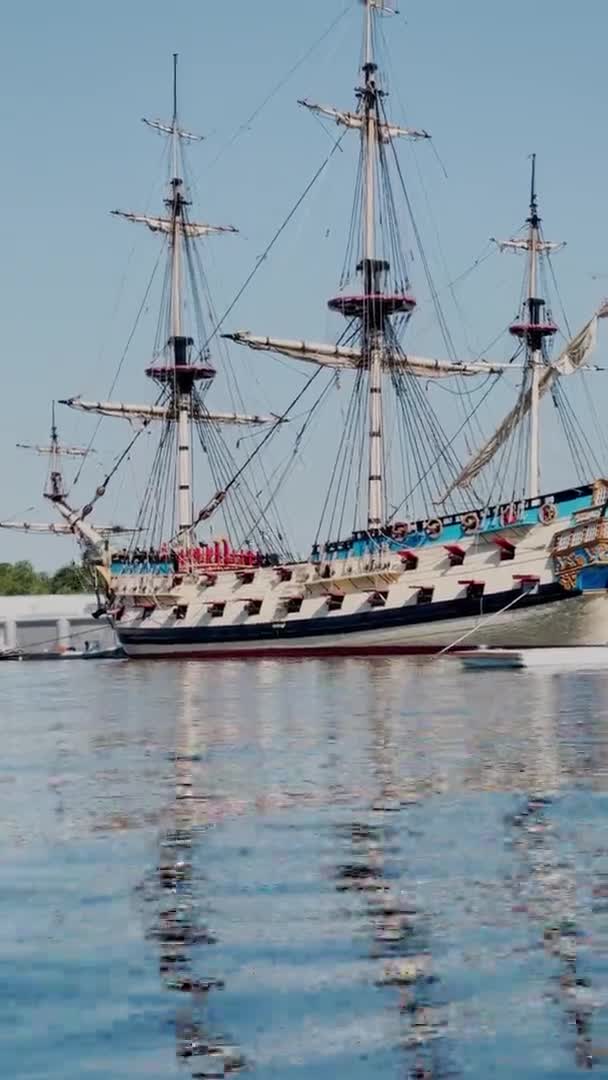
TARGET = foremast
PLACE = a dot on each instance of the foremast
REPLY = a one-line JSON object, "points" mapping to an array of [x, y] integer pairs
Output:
{"points": [[180, 374]]}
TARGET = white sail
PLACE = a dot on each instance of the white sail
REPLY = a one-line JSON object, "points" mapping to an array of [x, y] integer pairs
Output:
{"points": [[570, 360], [147, 413], [355, 120], [339, 356], [166, 225]]}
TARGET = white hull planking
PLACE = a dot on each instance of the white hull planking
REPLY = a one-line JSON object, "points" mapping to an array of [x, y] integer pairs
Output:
{"points": [[579, 621]]}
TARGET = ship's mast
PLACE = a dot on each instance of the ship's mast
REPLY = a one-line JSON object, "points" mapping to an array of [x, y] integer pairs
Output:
{"points": [[55, 451], [55, 490], [175, 205], [534, 328], [369, 135], [179, 405], [534, 348], [372, 269], [371, 310]]}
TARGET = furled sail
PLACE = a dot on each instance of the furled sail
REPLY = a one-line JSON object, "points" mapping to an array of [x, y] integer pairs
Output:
{"points": [[73, 524], [59, 451], [171, 129], [313, 352], [542, 247], [339, 356], [570, 360], [62, 529], [166, 225], [147, 413], [356, 120]]}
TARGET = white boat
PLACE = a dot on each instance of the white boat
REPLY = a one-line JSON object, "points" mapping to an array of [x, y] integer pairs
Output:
{"points": [[115, 653], [565, 658], [434, 557]]}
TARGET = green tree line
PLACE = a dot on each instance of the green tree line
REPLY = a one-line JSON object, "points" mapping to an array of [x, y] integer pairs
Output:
{"points": [[20, 579]]}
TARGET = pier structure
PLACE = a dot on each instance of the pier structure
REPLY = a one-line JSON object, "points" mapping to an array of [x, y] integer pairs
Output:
{"points": [[52, 623]]}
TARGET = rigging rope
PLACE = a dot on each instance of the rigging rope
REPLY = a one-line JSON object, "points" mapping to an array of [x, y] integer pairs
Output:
{"points": [[280, 84], [598, 425], [483, 621], [453, 439], [272, 243], [255, 452], [101, 490], [121, 362]]}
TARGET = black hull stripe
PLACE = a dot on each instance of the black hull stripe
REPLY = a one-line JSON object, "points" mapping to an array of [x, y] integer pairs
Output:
{"points": [[378, 619]]}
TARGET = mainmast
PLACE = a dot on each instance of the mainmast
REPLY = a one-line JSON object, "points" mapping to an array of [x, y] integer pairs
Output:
{"points": [[372, 338], [376, 302], [176, 204], [374, 307], [368, 132]]}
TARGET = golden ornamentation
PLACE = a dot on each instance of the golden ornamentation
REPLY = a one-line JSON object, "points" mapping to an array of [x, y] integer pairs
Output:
{"points": [[568, 579]]}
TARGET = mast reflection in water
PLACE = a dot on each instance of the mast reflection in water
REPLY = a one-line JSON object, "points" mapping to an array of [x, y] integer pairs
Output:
{"points": [[175, 892], [342, 868], [341, 886]]}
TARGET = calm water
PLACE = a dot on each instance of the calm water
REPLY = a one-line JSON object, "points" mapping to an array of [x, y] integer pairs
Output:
{"points": [[339, 869]]}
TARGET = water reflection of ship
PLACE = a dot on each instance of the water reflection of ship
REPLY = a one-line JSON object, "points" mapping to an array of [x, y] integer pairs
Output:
{"points": [[546, 889], [546, 884], [432, 733], [371, 785], [178, 926], [539, 732], [400, 933]]}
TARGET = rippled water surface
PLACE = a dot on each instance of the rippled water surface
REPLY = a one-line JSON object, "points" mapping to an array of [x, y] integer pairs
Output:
{"points": [[341, 869]]}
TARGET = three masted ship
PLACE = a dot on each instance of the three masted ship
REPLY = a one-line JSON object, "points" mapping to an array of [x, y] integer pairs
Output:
{"points": [[517, 568]]}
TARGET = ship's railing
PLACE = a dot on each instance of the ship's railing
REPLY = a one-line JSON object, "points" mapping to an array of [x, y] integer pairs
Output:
{"points": [[456, 527], [119, 567], [203, 559]]}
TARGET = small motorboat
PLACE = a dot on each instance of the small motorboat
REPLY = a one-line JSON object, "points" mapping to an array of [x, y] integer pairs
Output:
{"points": [[563, 657], [115, 653]]}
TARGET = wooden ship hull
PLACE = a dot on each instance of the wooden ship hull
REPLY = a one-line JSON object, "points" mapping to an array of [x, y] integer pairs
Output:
{"points": [[524, 585]]}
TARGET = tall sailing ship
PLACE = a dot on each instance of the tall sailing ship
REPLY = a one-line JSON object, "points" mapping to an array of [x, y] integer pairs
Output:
{"points": [[487, 561]]}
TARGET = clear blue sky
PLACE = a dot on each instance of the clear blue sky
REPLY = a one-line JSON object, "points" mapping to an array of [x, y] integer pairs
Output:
{"points": [[491, 81]]}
